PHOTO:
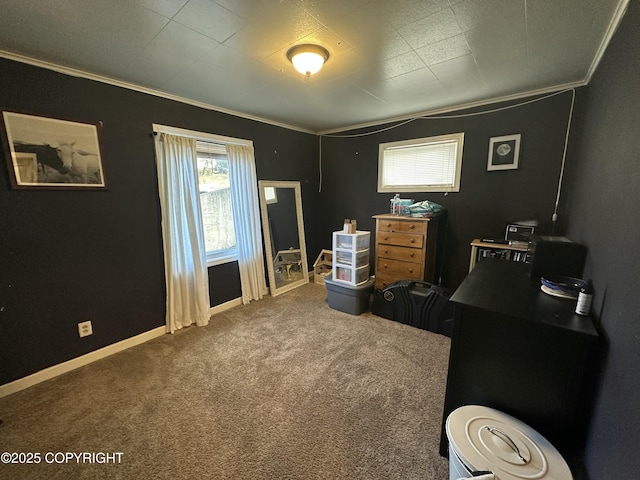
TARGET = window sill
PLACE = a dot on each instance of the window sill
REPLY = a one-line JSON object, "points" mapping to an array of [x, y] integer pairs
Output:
{"points": [[222, 259]]}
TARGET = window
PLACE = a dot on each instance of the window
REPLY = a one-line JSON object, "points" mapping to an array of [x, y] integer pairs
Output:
{"points": [[215, 200], [223, 161], [270, 195], [431, 164]]}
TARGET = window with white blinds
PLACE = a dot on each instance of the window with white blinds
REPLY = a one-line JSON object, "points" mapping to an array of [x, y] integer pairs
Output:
{"points": [[431, 164]]}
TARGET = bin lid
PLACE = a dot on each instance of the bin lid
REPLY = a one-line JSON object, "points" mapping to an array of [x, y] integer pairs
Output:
{"points": [[487, 439]]}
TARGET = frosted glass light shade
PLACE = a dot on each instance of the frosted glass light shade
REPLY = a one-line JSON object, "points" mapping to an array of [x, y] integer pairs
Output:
{"points": [[307, 63], [307, 59]]}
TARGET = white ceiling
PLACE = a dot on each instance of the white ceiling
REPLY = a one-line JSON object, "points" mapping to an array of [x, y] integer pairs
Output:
{"points": [[389, 58]]}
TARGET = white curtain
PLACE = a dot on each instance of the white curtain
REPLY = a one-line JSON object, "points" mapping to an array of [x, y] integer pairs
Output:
{"points": [[182, 232], [246, 218]]}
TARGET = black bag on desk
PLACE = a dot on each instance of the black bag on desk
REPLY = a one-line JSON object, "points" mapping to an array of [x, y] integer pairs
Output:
{"points": [[418, 304]]}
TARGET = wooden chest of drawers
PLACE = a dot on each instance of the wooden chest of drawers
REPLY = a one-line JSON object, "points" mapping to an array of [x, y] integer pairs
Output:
{"points": [[405, 249]]}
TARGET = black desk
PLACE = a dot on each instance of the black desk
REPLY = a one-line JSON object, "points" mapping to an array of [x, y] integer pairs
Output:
{"points": [[521, 351]]}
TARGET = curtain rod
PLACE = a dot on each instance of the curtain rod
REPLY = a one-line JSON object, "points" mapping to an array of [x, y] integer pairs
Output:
{"points": [[203, 136]]}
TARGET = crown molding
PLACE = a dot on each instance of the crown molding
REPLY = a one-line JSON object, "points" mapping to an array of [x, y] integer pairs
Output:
{"points": [[459, 107], [149, 91]]}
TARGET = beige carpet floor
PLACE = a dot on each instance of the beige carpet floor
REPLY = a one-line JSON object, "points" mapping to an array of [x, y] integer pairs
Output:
{"points": [[283, 388]]}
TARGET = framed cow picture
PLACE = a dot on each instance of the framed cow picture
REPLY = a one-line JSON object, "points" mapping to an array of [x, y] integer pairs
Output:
{"points": [[44, 152]]}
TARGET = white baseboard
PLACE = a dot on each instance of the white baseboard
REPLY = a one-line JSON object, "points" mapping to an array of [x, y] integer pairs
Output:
{"points": [[59, 369], [225, 306]]}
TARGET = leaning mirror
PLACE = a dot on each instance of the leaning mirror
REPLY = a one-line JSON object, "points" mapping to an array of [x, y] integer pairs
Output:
{"points": [[281, 208]]}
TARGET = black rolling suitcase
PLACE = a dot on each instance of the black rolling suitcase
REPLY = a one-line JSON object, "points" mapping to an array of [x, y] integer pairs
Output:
{"points": [[418, 304]]}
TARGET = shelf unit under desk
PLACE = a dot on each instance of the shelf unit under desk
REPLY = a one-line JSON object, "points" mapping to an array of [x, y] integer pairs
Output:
{"points": [[477, 245]]}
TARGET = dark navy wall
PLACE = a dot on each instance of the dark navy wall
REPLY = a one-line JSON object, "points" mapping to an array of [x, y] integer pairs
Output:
{"points": [[603, 175], [71, 256], [487, 199], [224, 283]]}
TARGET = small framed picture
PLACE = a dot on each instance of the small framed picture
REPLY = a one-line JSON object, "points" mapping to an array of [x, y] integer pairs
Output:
{"points": [[504, 152], [51, 153]]}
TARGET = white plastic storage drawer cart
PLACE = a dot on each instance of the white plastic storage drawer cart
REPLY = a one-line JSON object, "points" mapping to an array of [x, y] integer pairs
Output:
{"points": [[351, 257]]}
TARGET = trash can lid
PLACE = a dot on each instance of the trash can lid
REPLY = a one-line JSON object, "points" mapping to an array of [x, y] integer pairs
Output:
{"points": [[487, 439]]}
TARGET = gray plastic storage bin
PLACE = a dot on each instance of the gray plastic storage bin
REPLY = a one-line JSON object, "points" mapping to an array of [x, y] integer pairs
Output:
{"points": [[348, 298]]}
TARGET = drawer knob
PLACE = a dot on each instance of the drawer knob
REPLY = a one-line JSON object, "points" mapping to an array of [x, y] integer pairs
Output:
{"points": [[386, 250], [413, 240], [385, 265], [388, 224], [412, 226], [386, 238], [411, 270], [412, 254]]}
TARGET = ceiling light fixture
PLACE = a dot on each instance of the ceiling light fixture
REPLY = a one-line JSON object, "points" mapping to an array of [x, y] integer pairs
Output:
{"points": [[308, 58]]}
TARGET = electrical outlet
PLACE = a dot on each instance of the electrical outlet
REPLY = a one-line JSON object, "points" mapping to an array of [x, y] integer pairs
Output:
{"points": [[85, 328]]}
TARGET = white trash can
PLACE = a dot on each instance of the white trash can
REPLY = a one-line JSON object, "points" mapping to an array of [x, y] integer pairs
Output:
{"points": [[482, 439]]}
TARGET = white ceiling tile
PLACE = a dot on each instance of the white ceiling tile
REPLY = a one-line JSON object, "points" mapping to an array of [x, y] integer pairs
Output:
{"points": [[324, 100], [501, 49], [402, 94], [256, 9], [345, 95], [476, 50], [542, 18], [241, 77], [221, 56], [416, 79], [278, 27], [546, 39], [341, 66], [326, 38], [349, 100], [368, 80], [431, 29], [389, 46], [503, 36], [416, 89], [472, 14], [129, 27], [328, 11], [178, 45], [250, 74], [370, 33], [443, 50], [238, 84], [210, 19], [33, 39], [199, 85], [458, 71], [401, 13], [140, 72], [168, 8], [405, 63]]}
